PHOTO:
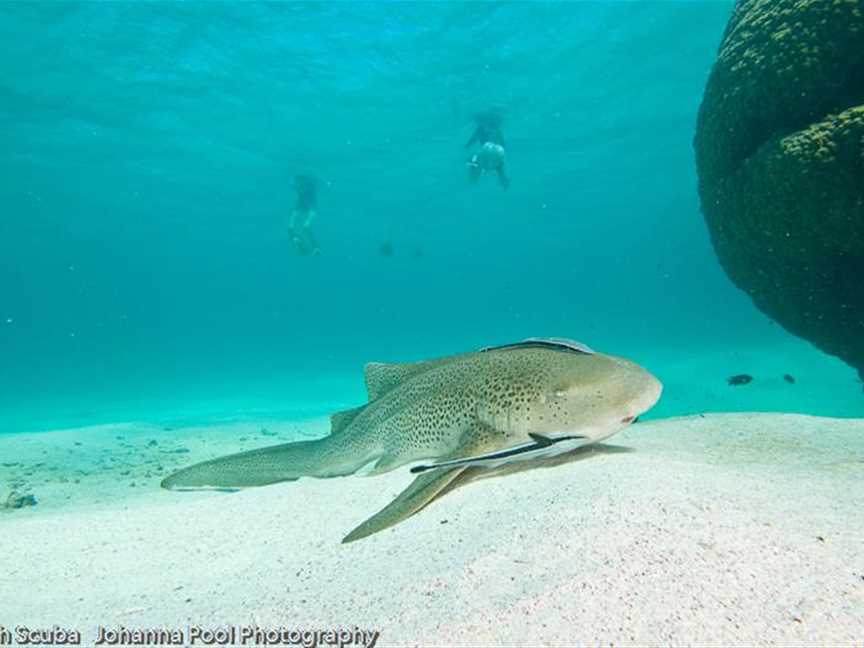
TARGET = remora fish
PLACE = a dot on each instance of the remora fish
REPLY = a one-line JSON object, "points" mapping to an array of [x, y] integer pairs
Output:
{"points": [[535, 398]]}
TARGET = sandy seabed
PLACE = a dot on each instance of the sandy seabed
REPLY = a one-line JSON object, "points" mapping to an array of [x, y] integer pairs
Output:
{"points": [[719, 529]]}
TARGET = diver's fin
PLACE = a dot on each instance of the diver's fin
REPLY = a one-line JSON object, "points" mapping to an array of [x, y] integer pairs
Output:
{"points": [[341, 420], [312, 242], [421, 491], [502, 177], [270, 465]]}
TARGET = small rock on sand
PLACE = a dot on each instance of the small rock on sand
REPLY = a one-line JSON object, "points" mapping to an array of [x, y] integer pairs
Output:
{"points": [[17, 500]]}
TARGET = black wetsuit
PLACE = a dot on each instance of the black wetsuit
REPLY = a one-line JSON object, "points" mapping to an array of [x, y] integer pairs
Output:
{"points": [[306, 194], [301, 234], [488, 130]]}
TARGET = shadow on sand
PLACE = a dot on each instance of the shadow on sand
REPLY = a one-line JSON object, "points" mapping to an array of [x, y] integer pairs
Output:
{"points": [[579, 454]]}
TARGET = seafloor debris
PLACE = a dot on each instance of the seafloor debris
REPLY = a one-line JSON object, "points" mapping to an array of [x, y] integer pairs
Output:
{"points": [[17, 500], [740, 379]]}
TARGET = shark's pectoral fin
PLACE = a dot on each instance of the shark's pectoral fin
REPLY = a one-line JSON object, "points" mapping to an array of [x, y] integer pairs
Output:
{"points": [[421, 491]]}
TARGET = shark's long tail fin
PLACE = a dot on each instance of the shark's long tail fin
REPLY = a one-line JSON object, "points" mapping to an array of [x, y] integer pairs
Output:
{"points": [[260, 467], [335, 455]]}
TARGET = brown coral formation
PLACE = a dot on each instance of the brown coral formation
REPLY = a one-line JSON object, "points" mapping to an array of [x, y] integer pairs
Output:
{"points": [[780, 154]]}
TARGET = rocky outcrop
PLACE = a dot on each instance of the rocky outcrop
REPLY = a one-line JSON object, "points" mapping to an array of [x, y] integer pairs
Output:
{"points": [[780, 155]]}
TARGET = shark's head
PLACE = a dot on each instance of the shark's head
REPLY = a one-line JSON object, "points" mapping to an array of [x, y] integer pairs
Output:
{"points": [[566, 392]]}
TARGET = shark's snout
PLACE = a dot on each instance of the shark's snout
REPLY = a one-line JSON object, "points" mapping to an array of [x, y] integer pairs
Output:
{"points": [[639, 391], [646, 397]]}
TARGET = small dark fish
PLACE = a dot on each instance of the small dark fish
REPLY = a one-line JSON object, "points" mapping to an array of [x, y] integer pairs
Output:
{"points": [[740, 379], [789, 378], [386, 249]]}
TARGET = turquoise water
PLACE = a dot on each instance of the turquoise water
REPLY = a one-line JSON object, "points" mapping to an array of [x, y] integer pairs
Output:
{"points": [[146, 271]]}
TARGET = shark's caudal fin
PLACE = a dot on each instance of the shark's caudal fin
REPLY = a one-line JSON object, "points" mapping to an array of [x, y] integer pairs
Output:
{"points": [[253, 468], [421, 491], [273, 464]]}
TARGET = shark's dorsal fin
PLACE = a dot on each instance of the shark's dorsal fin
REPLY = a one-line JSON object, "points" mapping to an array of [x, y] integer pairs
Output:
{"points": [[381, 377], [340, 420]]}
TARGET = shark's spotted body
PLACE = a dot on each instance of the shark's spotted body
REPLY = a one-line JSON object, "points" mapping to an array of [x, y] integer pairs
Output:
{"points": [[532, 399]]}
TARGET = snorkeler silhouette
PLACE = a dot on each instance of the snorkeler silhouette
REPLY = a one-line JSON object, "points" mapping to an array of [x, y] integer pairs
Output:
{"points": [[302, 215], [491, 155]]}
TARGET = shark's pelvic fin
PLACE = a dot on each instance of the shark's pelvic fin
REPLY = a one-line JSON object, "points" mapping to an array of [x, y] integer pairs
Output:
{"points": [[421, 491]]}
